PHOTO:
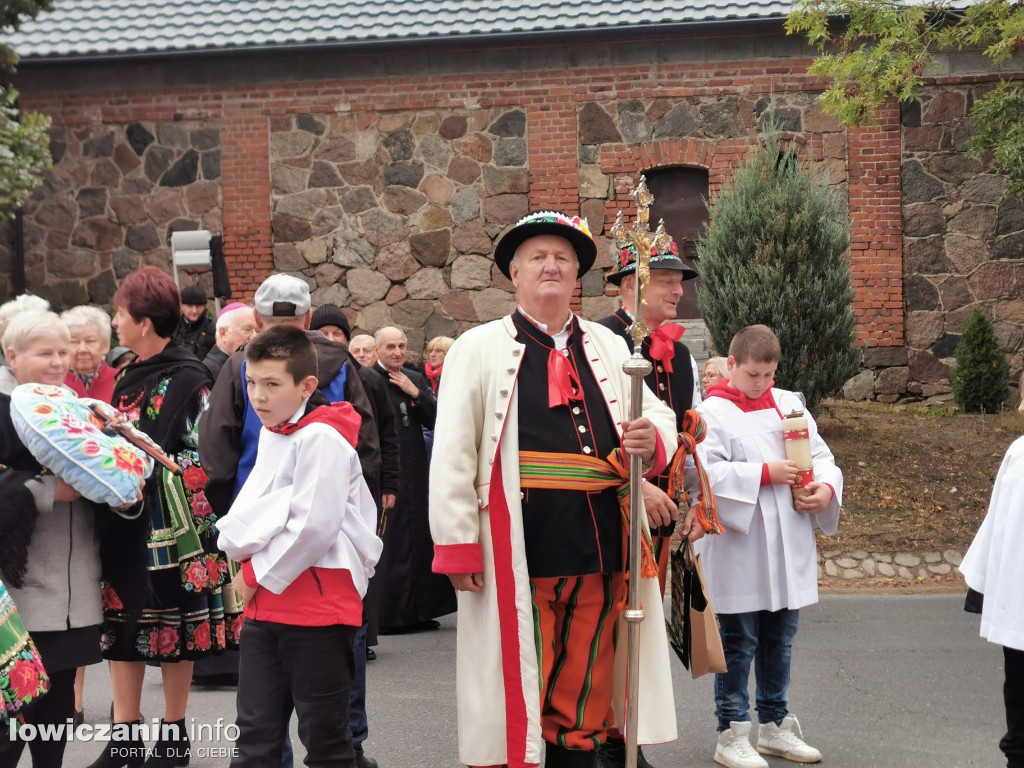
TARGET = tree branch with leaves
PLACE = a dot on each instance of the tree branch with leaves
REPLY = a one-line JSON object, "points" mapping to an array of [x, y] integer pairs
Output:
{"points": [[874, 51], [24, 138]]}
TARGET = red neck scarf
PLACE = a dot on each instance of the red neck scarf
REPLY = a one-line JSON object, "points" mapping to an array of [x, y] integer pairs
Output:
{"points": [[563, 381], [433, 374], [746, 404], [663, 343], [342, 416]]}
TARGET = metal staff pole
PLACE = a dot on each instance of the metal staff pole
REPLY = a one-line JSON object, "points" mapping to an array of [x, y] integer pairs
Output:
{"points": [[637, 367]]}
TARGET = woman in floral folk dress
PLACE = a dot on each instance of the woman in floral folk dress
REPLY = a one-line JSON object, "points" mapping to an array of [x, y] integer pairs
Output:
{"points": [[163, 393]]}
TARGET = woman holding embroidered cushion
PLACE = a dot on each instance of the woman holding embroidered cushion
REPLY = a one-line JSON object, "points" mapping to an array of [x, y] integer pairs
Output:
{"points": [[163, 394], [55, 546], [90, 376]]}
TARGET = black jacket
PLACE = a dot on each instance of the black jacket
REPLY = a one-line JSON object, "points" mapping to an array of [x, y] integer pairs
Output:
{"points": [[197, 337]]}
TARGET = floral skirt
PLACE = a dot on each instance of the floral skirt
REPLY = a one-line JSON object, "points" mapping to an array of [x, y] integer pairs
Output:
{"points": [[175, 625]]}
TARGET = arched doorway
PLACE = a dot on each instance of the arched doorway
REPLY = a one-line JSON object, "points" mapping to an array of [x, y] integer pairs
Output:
{"points": [[679, 198]]}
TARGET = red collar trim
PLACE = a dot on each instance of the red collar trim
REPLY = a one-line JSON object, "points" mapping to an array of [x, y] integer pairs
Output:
{"points": [[746, 404]]}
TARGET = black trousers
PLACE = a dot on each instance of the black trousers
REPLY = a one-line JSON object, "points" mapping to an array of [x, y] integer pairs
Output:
{"points": [[1012, 743], [308, 669], [54, 707]]}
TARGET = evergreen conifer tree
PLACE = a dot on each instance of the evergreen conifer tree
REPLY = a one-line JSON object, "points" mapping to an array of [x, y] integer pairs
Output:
{"points": [[980, 379], [775, 253]]}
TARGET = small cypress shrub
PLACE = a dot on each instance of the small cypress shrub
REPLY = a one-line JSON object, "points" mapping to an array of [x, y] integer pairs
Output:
{"points": [[775, 253], [981, 377]]}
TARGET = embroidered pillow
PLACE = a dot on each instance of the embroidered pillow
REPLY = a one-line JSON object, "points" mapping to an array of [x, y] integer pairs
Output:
{"points": [[63, 435]]}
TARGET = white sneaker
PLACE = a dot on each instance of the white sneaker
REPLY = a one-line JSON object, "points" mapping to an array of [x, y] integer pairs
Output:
{"points": [[786, 741], [734, 750]]}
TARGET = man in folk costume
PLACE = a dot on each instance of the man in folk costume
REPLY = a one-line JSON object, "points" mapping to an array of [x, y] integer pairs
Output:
{"points": [[673, 378], [530, 461]]}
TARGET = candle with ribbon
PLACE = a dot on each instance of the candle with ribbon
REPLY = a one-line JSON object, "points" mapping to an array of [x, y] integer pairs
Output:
{"points": [[797, 440]]}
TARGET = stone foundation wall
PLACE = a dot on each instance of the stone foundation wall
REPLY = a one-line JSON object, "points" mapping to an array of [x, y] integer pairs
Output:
{"points": [[962, 250], [393, 216], [115, 194]]}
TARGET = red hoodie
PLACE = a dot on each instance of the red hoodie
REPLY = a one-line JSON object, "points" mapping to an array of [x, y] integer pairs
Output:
{"points": [[319, 596]]}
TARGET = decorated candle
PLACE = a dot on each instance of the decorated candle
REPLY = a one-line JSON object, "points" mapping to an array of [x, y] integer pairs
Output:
{"points": [[798, 450]]}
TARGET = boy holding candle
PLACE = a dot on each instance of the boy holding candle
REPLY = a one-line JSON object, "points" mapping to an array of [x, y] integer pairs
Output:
{"points": [[763, 568]]}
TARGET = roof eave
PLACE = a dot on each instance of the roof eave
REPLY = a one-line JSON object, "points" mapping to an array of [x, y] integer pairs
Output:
{"points": [[379, 43]]}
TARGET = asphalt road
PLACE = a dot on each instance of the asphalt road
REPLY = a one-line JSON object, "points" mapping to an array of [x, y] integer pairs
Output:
{"points": [[879, 681]]}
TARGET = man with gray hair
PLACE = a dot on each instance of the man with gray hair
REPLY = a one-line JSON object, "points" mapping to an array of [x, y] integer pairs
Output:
{"points": [[410, 596], [236, 325]]}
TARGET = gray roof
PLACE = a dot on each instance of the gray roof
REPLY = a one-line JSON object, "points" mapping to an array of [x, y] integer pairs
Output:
{"points": [[101, 28]]}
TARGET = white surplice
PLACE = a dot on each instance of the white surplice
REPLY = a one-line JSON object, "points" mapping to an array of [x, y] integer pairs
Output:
{"points": [[993, 565], [765, 559], [304, 504]]}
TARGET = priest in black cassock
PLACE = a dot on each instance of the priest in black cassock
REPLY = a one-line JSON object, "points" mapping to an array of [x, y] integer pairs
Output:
{"points": [[410, 596]]}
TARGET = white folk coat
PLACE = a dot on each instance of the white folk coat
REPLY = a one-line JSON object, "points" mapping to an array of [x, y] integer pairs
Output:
{"points": [[993, 565], [476, 522], [765, 559]]}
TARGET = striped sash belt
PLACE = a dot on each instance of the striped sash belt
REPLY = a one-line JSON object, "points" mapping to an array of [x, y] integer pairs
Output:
{"points": [[578, 472]]}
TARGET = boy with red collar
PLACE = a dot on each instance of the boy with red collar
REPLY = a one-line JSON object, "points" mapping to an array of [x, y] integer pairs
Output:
{"points": [[763, 568], [305, 564]]}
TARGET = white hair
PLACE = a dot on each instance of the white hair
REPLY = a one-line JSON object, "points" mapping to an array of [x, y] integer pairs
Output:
{"points": [[27, 327], [24, 303], [225, 320], [721, 365], [85, 315], [376, 336]]}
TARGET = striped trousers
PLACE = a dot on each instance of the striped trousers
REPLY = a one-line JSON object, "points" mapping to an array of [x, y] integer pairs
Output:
{"points": [[575, 622]]}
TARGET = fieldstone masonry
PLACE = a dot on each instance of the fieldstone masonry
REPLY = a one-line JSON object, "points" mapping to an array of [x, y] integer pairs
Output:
{"points": [[110, 203], [963, 246], [393, 216], [860, 565]]}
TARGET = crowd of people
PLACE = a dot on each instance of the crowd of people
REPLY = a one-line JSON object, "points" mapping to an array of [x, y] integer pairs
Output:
{"points": [[330, 491]]}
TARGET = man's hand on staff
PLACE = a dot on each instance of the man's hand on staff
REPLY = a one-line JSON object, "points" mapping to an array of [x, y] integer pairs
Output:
{"points": [[661, 510], [467, 582], [639, 438]]}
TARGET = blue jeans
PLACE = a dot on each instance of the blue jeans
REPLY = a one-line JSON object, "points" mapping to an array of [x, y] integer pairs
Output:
{"points": [[766, 638]]}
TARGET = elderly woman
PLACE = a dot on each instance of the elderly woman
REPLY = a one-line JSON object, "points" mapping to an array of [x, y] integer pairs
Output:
{"points": [[90, 376], [163, 393], [715, 369], [56, 546], [437, 348]]}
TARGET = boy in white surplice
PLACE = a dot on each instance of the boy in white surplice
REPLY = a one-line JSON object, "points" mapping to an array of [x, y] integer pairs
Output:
{"points": [[304, 528], [763, 568]]}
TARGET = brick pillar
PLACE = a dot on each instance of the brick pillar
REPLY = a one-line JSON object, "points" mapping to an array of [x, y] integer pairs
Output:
{"points": [[876, 237], [248, 244], [554, 166]]}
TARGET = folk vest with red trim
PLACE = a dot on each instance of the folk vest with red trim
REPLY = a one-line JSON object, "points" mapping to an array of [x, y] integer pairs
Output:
{"points": [[567, 533]]}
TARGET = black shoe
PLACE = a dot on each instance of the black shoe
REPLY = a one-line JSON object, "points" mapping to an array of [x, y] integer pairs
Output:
{"points": [[362, 761], [371, 655], [556, 756], [123, 753], [78, 718], [612, 754], [173, 751]]}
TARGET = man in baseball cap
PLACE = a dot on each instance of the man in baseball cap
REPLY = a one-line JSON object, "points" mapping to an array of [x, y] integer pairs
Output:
{"points": [[282, 296], [196, 331]]}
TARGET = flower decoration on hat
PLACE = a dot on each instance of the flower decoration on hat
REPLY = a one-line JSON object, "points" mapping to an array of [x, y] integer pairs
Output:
{"points": [[573, 228]]}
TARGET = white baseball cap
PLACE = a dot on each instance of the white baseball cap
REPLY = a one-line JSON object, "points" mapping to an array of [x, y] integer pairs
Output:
{"points": [[282, 296]]}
